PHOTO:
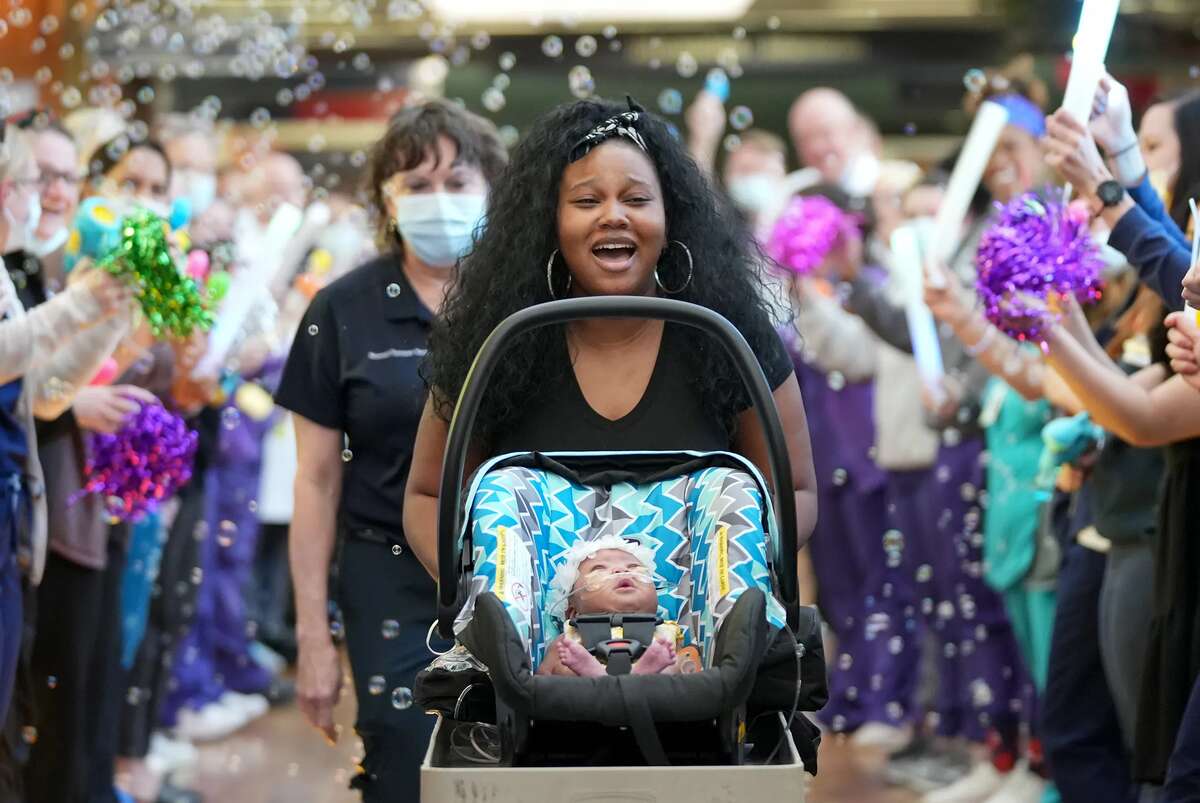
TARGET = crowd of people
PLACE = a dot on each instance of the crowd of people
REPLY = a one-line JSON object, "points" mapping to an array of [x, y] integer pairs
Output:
{"points": [[1007, 625]]}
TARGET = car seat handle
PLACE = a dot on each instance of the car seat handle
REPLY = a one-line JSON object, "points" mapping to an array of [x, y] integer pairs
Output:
{"points": [[451, 591]]}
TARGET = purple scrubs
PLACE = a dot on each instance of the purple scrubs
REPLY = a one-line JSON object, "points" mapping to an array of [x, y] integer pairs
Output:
{"points": [[936, 580], [214, 656], [846, 557]]}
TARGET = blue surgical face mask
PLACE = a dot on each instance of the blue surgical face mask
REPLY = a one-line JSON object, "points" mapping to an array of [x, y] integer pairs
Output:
{"points": [[438, 226]]}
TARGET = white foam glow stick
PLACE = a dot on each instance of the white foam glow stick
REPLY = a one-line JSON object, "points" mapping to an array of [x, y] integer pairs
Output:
{"points": [[248, 286], [968, 171], [1188, 308], [922, 330], [1090, 49]]}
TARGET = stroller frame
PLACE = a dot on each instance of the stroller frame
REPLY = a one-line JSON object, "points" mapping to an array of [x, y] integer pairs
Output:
{"points": [[784, 774]]}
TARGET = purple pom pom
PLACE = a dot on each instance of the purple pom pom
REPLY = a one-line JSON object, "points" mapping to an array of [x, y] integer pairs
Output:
{"points": [[141, 465], [1035, 247], [806, 232]]}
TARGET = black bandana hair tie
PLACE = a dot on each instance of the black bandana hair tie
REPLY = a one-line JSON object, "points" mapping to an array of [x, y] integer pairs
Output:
{"points": [[619, 125]]}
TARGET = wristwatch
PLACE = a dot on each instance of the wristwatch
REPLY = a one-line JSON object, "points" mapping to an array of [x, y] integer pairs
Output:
{"points": [[1110, 193]]}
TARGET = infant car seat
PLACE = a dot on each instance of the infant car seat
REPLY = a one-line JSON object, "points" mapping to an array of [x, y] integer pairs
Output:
{"points": [[725, 565]]}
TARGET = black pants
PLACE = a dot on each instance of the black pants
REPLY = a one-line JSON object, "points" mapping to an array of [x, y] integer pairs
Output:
{"points": [[1081, 732], [76, 672], [375, 586], [172, 607]]}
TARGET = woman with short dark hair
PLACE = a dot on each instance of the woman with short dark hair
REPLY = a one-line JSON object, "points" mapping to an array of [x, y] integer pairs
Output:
{"points": [[352, 381]]}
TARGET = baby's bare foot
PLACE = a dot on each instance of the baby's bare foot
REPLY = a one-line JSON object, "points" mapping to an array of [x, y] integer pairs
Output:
{"points": [[657, 658], [576, 658]]}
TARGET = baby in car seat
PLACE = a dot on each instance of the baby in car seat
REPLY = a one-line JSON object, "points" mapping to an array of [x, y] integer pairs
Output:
{"points": [[609, 576]]}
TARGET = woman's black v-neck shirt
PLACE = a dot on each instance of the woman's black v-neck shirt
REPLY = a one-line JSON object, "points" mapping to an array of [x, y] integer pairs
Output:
{"points": [[670, 416], [354, 368]]}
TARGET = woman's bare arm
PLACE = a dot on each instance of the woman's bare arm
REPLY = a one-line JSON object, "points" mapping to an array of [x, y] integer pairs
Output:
{"points": [[751, 444], [424, 486], [318, 490], [1162, 413]]}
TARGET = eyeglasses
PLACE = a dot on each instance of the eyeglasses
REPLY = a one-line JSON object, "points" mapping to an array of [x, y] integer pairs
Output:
{"points": [[599, 578], [51, 176]]}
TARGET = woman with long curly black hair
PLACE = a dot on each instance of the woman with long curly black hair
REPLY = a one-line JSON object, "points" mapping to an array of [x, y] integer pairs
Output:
{"points": [[601, 200]]}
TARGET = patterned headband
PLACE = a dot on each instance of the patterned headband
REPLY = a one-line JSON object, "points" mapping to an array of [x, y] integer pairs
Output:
{"points": [[619, 125]]}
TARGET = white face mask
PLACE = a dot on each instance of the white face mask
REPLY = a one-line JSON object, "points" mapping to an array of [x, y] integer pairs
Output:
{"points": [[861, 175], [21, 232], [753, 193], [438, 226], [199, 188], [40, 248], [150, 205]]}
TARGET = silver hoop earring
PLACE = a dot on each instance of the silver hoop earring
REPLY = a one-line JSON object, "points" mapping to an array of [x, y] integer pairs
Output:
{"points": [[550, 276], [687, 281]]}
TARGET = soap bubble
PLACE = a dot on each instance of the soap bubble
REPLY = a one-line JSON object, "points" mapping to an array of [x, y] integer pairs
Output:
{"points": [[507, 61], [347, 455], [773, 23], [910, 129], [670, 101], [586, 46], [390, 629], [581, 82], [732, 143], [839, 476], [480, 40], [509, 135], [896, 645], [493, 99], [739, 33], [686, 65], [402, 698], [893, 541], [552, 46], [975, 80], [502, 81], [741, 118], [836, 379], [376, 685], [609, 31]]}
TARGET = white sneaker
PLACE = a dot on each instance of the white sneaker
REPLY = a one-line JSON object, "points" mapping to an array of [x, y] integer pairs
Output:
{"points": [[213, 721], [169, 755], [878, 734], [976, 786], [1020, 786], [252, 706]]}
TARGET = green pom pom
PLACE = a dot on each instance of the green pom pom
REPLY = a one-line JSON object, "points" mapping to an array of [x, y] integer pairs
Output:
{"points": [[170, 300]]}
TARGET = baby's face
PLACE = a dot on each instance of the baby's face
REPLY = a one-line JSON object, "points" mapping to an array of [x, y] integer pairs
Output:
{"points": [[602, 588]]}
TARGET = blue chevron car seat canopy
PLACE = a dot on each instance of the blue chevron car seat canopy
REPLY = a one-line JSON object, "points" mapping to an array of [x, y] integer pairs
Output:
{"points": [[706, 518]]}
